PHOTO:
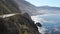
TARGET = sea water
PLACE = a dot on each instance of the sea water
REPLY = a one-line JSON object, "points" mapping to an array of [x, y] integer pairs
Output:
{"points": [[51, 22]]}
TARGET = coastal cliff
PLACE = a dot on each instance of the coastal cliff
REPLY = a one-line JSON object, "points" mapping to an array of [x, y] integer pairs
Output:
{"points": [[15, 24]]}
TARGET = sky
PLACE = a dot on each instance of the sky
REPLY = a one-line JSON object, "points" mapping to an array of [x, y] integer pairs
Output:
{"points": [[53, 3]]}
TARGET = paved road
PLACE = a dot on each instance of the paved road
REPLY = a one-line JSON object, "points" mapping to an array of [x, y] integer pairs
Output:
{"points": [[9, 15]]}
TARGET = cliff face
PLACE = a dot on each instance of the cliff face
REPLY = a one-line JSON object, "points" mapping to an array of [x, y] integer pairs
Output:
{"points": [[16, 24]]}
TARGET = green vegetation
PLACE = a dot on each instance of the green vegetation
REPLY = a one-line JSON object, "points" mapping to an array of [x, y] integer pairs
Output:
{"points": [[17, 24], [6, 8]]}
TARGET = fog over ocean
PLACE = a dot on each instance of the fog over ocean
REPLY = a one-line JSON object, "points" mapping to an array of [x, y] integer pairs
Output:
{"points": [[50, 23]]}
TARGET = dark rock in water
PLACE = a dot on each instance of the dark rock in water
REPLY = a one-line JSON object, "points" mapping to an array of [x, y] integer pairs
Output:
{"points": [[16, 24], [38, 24]]}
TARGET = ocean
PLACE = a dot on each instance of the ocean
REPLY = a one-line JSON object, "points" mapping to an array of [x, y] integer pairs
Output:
{"points": [[50, 23]]}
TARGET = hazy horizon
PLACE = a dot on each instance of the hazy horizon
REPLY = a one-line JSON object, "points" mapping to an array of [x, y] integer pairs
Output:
{"points": [[52, 3]]}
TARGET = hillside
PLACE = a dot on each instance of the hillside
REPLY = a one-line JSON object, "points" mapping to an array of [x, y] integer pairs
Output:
{"points": [[26, 7], [13, 22], [33, 10], [48, 10]]}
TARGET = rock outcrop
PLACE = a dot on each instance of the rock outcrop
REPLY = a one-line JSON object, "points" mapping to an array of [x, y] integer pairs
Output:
{"points": [[38, 24], [16, 24]]}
